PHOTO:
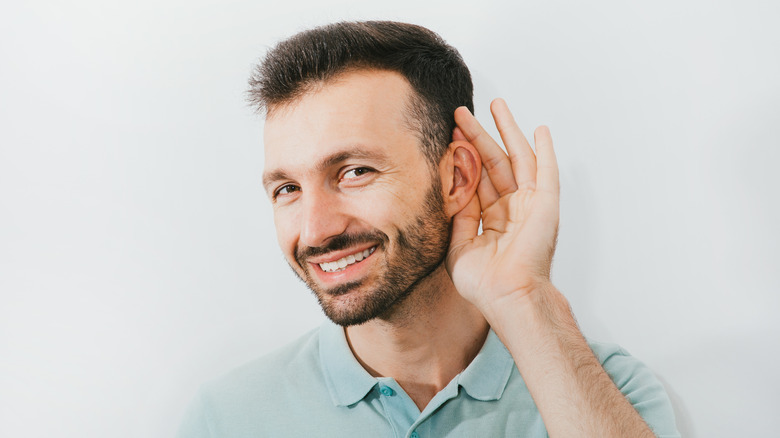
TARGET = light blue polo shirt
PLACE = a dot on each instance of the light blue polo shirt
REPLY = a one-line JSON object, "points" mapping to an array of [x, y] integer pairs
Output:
{"points": [[316, 388]]}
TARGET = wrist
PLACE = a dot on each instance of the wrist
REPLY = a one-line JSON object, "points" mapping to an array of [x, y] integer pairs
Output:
{"points": [[537, 313]]}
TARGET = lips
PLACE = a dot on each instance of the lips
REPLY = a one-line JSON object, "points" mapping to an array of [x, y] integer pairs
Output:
{"points": [[344, 262]]}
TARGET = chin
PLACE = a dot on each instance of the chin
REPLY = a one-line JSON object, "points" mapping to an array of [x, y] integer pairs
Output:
{"points": [[357, 305]]}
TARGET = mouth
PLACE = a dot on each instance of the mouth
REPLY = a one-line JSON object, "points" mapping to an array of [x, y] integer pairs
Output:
{"points": [[346, 261]]}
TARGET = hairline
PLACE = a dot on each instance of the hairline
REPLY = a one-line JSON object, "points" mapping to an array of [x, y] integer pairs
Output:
{"points": [[414, 102]]}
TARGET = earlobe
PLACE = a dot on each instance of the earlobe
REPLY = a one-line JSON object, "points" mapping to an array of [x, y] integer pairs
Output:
{"points": [[466, 168]]}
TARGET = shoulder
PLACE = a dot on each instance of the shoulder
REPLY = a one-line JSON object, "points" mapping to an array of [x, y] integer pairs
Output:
{"points": [[299, 358], [639, 385], [256, 397], [631, 375]]}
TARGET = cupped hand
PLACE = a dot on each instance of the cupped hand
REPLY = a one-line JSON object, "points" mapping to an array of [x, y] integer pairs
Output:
{"points": [[517, 202]]}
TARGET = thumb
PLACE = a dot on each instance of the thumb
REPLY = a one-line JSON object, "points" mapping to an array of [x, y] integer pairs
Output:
{"points": [[465, 224]]}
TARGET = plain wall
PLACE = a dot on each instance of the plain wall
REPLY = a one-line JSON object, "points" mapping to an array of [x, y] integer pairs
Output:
{"points": [[137, 249]]}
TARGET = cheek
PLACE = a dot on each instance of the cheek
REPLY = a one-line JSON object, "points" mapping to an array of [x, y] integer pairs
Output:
{"points": [[383, 209], [286, 233]]}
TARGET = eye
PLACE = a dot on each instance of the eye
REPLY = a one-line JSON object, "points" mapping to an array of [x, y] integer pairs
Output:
{"points": [[286, 190], [356, 172]]}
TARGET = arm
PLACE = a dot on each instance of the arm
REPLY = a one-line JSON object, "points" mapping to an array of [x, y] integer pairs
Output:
{"points": [[505, 273]]}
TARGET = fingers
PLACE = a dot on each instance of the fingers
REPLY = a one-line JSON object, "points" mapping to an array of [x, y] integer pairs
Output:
{"points": [[487, 193], [465, 223], [547, 176], [494, 159], [457, 134], [520, 153], [519, 167]]}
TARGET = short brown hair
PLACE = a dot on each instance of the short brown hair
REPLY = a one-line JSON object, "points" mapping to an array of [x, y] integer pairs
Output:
{"points": [[439, 77]]}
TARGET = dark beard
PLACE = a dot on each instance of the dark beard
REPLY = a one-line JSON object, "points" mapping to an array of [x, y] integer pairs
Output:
{"points": [[419, 249]]}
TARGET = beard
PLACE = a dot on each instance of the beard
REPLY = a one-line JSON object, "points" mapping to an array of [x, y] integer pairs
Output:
{"points": [[416, 251]]}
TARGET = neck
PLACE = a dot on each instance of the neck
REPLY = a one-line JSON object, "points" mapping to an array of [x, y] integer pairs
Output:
{"points": [[425, 342]]}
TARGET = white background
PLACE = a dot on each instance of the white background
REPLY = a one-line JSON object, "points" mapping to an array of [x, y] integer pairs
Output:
{"points": [[137, 249]]}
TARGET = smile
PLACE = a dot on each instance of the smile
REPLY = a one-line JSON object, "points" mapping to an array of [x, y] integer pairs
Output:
{"points": [[342, 263]]}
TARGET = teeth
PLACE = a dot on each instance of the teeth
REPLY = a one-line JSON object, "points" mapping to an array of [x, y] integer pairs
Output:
{"points": [[343, 262]]}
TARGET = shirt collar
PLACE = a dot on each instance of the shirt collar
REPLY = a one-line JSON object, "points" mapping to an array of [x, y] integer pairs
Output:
{"points": [[487, 375], [348, 382]]}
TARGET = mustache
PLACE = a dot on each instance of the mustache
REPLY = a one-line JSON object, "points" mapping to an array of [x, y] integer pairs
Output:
{"points": [[340, 242]]}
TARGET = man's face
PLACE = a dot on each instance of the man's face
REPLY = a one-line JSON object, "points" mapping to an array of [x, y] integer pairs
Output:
{"points": [[359, 213]]}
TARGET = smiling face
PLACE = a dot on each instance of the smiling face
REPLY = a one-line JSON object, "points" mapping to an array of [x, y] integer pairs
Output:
{"points": [[358, 210]]}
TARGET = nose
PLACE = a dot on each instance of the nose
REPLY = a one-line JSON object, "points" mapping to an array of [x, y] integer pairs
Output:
{"points": [[322, 217]]}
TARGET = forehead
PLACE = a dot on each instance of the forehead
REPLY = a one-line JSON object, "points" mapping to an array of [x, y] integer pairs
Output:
{"points": [[365, 108]]}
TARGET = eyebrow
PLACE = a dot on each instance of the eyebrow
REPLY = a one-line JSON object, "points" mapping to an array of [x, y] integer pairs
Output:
{"points": [[329, 161]]}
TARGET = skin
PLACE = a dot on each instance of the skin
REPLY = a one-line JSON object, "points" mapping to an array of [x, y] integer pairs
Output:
{"points": [[498, 279]]}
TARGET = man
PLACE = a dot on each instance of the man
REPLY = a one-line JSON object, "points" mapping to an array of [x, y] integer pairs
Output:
{"points": [[380, 177]]}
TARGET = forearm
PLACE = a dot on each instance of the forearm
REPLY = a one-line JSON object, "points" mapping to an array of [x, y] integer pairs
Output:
{"points": [[573, 393]]}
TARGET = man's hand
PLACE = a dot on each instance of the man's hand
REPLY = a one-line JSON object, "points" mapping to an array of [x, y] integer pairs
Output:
{"points": [[517, 202]]}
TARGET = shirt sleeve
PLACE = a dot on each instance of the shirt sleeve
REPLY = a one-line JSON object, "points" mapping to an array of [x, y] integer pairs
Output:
{"points": [[640, 386], [195, 423]]}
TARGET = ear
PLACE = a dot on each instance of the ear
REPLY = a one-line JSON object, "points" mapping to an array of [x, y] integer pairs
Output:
{"points": [[460, 170]]}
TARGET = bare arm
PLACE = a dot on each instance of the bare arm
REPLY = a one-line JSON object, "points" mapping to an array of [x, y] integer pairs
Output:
{"points": [[574, 394]]}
